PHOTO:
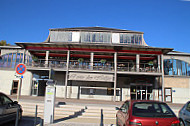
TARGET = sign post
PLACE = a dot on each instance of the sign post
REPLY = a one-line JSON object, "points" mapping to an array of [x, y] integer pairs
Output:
{"points": [[20, 70]]}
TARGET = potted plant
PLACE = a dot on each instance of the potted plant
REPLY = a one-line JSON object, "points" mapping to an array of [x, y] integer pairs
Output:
{"points": [[103, 61], [80, 60]]}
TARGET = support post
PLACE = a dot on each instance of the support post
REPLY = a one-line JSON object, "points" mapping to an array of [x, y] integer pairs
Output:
{"points": [[115, 75], [67, 73], [24, 56], [47, 58], [162, 66], [159, 63], [137, 62], [91, 60]]}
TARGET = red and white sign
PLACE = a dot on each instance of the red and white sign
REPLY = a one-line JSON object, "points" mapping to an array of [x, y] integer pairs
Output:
{"points": [[20, 69]]}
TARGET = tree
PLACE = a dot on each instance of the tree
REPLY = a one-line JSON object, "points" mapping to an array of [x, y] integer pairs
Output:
{"points": [[4, 43]]}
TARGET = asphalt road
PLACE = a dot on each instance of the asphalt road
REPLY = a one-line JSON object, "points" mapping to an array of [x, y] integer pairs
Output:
{"points": [[26, 121]]}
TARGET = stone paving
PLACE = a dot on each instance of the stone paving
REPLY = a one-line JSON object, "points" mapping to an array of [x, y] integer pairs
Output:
{"points": [[82, 121]]}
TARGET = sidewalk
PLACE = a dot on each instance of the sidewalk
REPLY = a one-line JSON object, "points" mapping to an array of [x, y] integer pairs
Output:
{"points": [[40, 99]]}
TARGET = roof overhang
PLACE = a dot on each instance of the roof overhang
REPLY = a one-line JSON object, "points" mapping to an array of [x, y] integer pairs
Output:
{"points": [[93, 47]]}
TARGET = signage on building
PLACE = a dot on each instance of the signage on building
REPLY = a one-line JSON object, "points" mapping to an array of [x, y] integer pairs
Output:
{"points": [[91, 77], [20, 69]]}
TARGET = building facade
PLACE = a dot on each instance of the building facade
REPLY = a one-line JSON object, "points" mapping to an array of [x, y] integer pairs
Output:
{"points": [[99, 63]]}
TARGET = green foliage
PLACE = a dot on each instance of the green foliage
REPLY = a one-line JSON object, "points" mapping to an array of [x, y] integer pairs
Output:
{"points": [[80, 60], [103, 60], [4, 43], [34, 58]]}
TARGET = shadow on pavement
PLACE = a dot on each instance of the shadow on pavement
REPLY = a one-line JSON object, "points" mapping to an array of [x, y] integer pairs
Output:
{"points": [[26, 121], [76, 114]]}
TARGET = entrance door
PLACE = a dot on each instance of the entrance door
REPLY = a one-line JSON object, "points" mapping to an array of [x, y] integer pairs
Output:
{"points": [[14, 87], [141, 92], [34, 88]]}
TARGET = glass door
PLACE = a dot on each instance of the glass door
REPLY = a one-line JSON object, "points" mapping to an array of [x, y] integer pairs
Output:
{"points": [[35, 88], [141, 92]]}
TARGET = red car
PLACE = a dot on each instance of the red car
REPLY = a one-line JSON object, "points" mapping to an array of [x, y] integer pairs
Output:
{"points": [[145, 113]]}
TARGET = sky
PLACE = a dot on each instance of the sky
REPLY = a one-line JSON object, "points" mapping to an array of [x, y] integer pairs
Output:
{"points": [[165, 23]]}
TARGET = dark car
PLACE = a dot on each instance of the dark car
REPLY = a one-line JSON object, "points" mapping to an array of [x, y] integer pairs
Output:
{"points": [[8, 109], [184, 115], [145, 113]]}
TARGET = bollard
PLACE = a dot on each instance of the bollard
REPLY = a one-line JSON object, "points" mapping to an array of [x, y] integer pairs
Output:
{"points": [[102, 118], [35, 118], [17, 117]]}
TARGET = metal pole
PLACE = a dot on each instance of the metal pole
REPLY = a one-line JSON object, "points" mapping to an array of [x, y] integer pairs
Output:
{"points": [[35, 119], [102, 118], [19, 88], [115, 75], [17, 117]]}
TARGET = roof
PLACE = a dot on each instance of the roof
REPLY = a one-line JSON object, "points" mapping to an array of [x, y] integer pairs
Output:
{"points": [[10, 47], [178, 53], [96, 29], [92, 46]]}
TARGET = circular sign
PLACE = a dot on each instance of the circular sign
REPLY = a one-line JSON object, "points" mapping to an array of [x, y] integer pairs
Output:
{"points": [[20, 69]]}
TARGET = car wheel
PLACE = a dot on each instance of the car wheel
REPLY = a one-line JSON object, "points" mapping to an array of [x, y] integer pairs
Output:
{"points": [[182, 123]]}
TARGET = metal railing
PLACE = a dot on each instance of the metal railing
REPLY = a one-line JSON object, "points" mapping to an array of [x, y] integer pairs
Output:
{"points": [[86, 65]]}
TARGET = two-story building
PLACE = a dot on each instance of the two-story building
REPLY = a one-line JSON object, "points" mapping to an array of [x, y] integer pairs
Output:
{"points": [[99, 63]]}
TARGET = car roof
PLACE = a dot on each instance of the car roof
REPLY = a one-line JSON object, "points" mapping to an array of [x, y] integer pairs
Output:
{"points": [[148, 101]]}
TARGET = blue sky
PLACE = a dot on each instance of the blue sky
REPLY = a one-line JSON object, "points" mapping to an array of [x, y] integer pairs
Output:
{"points": [[165, 23]]}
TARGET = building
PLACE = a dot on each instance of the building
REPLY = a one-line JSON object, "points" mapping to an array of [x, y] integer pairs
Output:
{"points": [[100, 63]]}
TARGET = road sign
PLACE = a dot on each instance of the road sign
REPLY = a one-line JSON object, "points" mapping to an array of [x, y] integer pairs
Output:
{"points": [[20, 69]]}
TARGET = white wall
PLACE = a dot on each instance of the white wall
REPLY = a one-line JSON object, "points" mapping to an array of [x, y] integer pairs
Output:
{"points": [[6, 81]]}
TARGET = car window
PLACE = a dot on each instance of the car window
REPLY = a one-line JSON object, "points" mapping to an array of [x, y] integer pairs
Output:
{"points": [[188, 107], [5, 100], [125, 107], [151, 109]]}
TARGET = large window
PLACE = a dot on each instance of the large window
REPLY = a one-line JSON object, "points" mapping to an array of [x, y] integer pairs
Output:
{"points": [[57, 36], [134, 39], [96, 37], [10, 60], [176, 67]]}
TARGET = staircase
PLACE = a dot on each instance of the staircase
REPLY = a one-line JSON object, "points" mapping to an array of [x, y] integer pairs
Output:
{"points": [[77, 113]]}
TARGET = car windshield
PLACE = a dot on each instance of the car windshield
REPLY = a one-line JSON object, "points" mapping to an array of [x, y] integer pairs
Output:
{"points": [[152, 109]]}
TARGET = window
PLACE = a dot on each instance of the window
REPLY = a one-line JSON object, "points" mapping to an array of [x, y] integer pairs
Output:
{"points": [[134, 39], [124, 108], [60, 36], [151, 109], [176, 67], [188, 107], [96, 37], [4, 100]]}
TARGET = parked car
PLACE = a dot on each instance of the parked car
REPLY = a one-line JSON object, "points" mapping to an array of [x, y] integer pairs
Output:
{"points": [[145, 113], [184, 115], [8, 109]]}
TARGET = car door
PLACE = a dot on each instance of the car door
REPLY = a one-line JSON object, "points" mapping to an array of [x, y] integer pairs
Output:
{"points": [[123, 114], [2, 110], [186, 114], [10, 108]]}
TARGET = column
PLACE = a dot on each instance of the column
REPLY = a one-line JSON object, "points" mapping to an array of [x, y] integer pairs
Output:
{"points": [[115, 75], [24, 56], [162, 66], [158, 63], [67, 73], [47, 58], [137, 62], [91, 60]]}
